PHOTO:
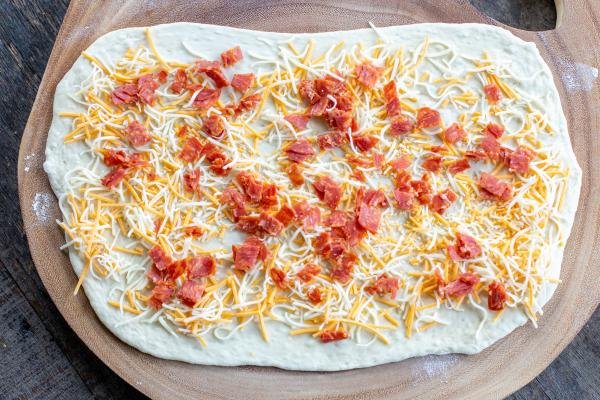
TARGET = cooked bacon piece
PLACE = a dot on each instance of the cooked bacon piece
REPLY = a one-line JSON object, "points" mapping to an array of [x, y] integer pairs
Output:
{"points": [[392, 102], [318, 109], [314, 295], [190, 292], [477, 155], [136, 134], [492, 188], [269, 224], [458, 166], [249, 224], [194, 231], [308, 216], [368, 217], [437, 149], [454, 133], [341, 269], [217, 159], [214, 127], [401, 125], [321, 242], [285, 215], [466, 248], [177, 268], [251, 186], [183, 131], [160, 258], [428, 118], [403, 180], [114, 177], [191, 180], [191, 150], [298, 121], [340, 119], [206, 65], [404, 199], [116, 158], [179, 81], [308, 272], [269, 195], [331, 140], [235, 200], [264, 224], [146, 86], [308, 91], [400, 163], [518, 160], [371, 197], [496, 130], [279, 278], [378, 160], [443, 200], [352, 232], [384, 285], [336, 219], [364, 142], [432, 163], [231, 56], [492, 92], [212, 69], [124, 94], [422, 189], [328, 191], [242, 82], [206, 98], [496, 296], [367, 74], [299, 151], [491, 147], [155, 275], [248, 253], [294, 172], [328, 85], [162, 76], [333, 335], [162, 293], [247, 103], [461, 286]]}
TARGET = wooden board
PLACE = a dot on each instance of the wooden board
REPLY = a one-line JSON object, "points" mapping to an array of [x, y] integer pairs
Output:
{"points": [[497, 371]]}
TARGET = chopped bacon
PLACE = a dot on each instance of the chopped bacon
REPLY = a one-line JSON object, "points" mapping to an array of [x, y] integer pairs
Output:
{"points": [[358, 175], [235, 200], [162, 293], [191, 150], [400, 163], [371, 197], [328, 85], [214, 127], [384, 285], [124, 94], [136, 134], [212, 69], [162, 76], [491, 147], [191, 180], [367, 74], [161, 259], [328, 191], [403, 180], [496, 296], [428, 118], [333, 335], [492, 92], [443, 200], [242, 82], [401, 125], [177, 267], [437, 149], [269, 195], [206, 98], [285, 215], [308, 91], [432, 163], [336, 219], [248, 253], [279, 278], [294, 172], [155, 275], [231, 56], [179, 81], [116, 158], [392, 103], [496, 130], [368, 217], [458, 166], [378, 160], [308, 272], [251, 186], [190, 292], [307, 215], [247, 103], [331, 140], [217, 159], [194, 231], [365, 142], [492, 188], [404, 199], [298, 121], [314, 295], [340, 119], [146, 86], [341, 270], [454, 133], [518, 160], [183, 131], [422, 189], [318, 109], [264, 224], [269, 224], [114, 177], [461, 286], [476, 155], [466, 248], [299, 151]]}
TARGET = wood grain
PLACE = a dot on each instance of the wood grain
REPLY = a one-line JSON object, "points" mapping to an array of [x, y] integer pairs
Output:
{"points": [[564, 315]]}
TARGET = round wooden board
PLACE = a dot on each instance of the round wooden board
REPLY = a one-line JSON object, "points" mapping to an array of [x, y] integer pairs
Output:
{"points": [[495, 372]]}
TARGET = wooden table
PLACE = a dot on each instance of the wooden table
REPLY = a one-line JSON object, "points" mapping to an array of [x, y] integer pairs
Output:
{"points": [[40, 357]]}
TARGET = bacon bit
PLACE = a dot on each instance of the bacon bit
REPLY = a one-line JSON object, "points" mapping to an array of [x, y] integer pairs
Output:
{"points": [[307, 215], [177, 267], [336, 219], [340, 119], [454, 133], [404, 199], [403, 180], [214, 127], [124, 94], [136, 134], [212, 69], [491, 147], [333, 335], [331, 140], [314, 295], [155, 275], [183, 131], [146, 86], [308, 91], [496, 296], [368, 218], [358, 161], [179, 81], [477, 155], [492, 188], [194, 231], [422, 189], [466, 248], [461, 286], [190, 293], [328, 191], [217, 159], [162, 76], [114, 177], [294, 172], [247, 103], [496, 130], [442, 201], [432, 163], [327, 85], [231, 56], [251, 186], [308, 272], [371, 197], [285, 215], [279, 278], [191, 180], [318, 109], [440, 282], [262, 225], [299, 151], [367, 74], [358, 175], [365, 142], [384, 285], [269, 195], [242, 82], [235, 200], [246, 254], [298, 121], [116, 158], [269, 224], [201, 267], [161, 294], [378, 160], [191, 150], [401, 125], [428, 118], [437, 149], [342, 267], [492, 92], [392, 103], [353, 232], [400, 163], [458, 166], [518, 160], [207, 98]]}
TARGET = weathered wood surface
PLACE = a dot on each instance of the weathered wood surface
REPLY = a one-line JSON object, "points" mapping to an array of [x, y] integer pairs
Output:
{"points": [[40, 356]]}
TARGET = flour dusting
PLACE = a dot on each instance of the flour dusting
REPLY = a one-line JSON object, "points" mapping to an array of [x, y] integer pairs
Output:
{"points": [[434, 366], [41, 207], [30, 160], [578, 77]]}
